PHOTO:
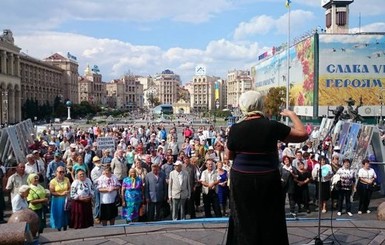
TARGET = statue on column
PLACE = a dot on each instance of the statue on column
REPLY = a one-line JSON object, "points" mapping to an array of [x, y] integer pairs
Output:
{"points": [[7, 36]]}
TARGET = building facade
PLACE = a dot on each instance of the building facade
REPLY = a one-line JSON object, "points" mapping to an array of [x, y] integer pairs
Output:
{"points": [[167, 84], [125, 93], [10, 83], [238, 82], [71, 74], [91, 88], [202, 98], [40, 82]]}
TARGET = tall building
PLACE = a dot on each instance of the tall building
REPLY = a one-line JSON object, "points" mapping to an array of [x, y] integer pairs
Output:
{"points": [[91, 87], [125, 93], [70, 67], [167, 84], [336, 15], [10, 82], [203, 95], [40, 82], [238, 82]]}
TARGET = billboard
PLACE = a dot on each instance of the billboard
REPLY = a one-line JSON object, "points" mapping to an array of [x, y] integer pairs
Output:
{"points": [[351, 66], [273, 72]]}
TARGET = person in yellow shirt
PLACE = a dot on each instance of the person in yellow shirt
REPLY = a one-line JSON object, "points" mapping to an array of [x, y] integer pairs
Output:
{"points": [[37, 198]]}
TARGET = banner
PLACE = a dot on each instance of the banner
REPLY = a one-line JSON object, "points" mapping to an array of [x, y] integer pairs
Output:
{"points": [[105, 143]]}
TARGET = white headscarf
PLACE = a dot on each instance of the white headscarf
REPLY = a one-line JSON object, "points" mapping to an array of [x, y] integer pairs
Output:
{"points": [[251, 104]]}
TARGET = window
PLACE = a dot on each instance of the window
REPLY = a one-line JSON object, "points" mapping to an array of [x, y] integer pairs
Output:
{"points": [[328, 20], [341, 18]]}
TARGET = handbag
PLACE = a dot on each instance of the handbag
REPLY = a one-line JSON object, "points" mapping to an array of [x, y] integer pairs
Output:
{"points": [[374, 187], [67, 203], [118, 200]]}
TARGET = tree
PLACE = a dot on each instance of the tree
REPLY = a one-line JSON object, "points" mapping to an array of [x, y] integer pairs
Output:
{"points": [[275, 101], [154, 101]]}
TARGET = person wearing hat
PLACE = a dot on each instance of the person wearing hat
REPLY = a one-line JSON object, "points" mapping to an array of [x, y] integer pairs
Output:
{"points": [[52, 166], [210, 154], [37, 199], [73, 148], [258, 218], [96, 172], [34, 166], [179, 190]]}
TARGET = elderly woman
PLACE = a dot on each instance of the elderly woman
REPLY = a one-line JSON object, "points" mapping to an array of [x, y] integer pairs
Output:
{"points": [[288, 175], [37, 198], [366, 179], [108, 186], [140, 171], [252, 145], [79, 164], [82, 192], [60, 189], [325, 170], [19, 201], [223, 188], [132, 195]]}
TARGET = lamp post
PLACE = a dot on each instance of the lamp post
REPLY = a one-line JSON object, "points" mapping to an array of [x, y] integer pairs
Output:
{"points": [[69, 104]]}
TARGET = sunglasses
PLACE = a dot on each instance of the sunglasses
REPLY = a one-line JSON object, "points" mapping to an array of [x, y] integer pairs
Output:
{"points": [[60, 172]]}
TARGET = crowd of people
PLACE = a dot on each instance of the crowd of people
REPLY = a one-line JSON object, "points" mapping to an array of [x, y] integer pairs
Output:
{"points": [[153, 176], [149, 173], [305, 171]]}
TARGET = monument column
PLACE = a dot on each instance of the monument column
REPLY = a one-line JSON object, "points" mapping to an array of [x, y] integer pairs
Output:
{"points": [[3, 62], [11, 64]]}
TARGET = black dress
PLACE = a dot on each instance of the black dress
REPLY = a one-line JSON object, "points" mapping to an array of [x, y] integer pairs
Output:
{"points": [[257, 208]]}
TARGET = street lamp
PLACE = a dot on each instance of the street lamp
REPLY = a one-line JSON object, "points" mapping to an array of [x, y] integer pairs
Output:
{"points": [[69, 104]]}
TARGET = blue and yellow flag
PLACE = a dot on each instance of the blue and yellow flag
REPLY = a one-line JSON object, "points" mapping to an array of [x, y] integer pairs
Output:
{"points": [[288, 2]]}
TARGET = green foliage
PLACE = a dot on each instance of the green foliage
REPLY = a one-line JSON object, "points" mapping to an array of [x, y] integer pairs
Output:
{"points": [[84, 109], [154, 101], [275, 101]]}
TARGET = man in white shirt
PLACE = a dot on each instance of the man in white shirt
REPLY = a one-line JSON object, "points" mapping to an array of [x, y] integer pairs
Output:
{"points": [[210, 181], [35, 166], [179, 190]]}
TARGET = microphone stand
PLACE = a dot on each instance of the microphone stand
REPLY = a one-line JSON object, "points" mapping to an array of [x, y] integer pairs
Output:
{"points": [[317, 239]]}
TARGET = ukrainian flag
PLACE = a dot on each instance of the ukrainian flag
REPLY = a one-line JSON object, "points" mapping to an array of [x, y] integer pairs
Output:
{"points": [[288, 2]]}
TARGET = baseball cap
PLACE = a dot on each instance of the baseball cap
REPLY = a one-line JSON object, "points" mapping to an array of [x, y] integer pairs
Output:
{"points": [[177, 163]]}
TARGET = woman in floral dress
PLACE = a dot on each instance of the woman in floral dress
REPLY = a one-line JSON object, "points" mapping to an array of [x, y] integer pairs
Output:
{"points": [[132, 196]]}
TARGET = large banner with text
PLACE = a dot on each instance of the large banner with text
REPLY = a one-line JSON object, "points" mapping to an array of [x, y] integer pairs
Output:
{"points": [[352, 66]]}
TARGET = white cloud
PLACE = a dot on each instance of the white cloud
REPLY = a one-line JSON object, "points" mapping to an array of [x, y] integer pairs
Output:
{"points": [[373, 27], [48, 15], [115, 58], [263, 25], [257, 25]]}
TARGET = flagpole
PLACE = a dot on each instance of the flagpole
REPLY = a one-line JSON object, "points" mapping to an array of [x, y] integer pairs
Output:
{"points": [[288, 64]]}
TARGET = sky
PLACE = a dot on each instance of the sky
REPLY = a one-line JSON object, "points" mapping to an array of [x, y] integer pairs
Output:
{"points": [[146, 37]]}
